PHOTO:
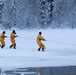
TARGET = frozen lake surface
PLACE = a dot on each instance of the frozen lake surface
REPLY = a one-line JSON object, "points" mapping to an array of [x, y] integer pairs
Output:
{"points": [[60, 51], [66, 70]]}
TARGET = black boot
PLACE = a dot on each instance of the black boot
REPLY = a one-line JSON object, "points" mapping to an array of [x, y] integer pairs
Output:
{"points": [[38, 49], [42, 49], [14, 47], [11, 46], [2, 46]]}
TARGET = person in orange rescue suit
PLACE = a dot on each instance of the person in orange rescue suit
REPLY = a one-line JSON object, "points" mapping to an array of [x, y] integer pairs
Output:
{"points": [[2, 38], [12, 39], [39, 39]]}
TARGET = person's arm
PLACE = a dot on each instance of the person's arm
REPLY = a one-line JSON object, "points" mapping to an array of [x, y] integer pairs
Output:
{"points": [[42, 38]]}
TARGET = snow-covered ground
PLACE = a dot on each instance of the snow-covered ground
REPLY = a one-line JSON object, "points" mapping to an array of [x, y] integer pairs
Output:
{"points": [[60, 49]]}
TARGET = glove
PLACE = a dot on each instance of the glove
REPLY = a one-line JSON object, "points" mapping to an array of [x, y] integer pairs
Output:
{"points": [[44, 40], [5, 36], [16, 36], [14, 32]]}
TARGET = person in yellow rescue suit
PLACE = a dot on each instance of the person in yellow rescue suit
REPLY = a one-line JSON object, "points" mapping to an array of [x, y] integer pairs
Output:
{"points": [[2, 37], [39, 38], [12, 39]]}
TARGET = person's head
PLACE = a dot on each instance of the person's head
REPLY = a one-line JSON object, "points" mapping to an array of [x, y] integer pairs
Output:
{"points": [[14, 32], [4, 32], [40, 33]]}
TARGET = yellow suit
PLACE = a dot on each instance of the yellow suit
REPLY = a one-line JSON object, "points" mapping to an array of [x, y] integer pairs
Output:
{"points": [[2, 37], [12, 39], [39, 38]]}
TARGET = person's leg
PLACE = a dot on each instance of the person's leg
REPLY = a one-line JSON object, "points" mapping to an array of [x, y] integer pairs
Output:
{"points": [[42, 46], [14, 46], [2, 46], [42, 49], [3, 43], [39, 48], [11, 46], [12, 43]]}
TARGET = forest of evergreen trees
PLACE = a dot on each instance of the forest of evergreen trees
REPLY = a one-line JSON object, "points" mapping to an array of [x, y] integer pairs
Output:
{"points": [[32, 14]]}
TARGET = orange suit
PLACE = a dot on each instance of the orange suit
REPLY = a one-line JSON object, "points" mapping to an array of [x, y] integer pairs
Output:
{"points": [[39, 38], [12, 39], [2, 37]]}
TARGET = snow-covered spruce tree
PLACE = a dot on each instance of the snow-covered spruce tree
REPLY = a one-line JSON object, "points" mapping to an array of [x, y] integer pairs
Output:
{"points": [[1, 13], [42, 6], [65, 13], [49, 11], [14, 13], [22, 13], [73, 13], [32, 15], [6, 24], [46, 12], [28, 14]]}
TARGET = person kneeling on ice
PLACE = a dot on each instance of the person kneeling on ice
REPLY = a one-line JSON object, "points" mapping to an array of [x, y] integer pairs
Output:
{"points": [[12, 39], [39, 38], [2, 37]]}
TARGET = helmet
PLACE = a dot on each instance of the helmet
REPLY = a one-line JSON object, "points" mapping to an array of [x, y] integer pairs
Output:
{"points": [[40, 33], [3, 32], [14, 32]]}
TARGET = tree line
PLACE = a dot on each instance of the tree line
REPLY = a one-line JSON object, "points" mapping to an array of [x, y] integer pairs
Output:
{"points": [[35, 14]]}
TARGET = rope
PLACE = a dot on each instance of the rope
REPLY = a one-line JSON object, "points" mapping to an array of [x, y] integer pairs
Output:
{"points": [[62, 43], [27, 38], [51, 41]]}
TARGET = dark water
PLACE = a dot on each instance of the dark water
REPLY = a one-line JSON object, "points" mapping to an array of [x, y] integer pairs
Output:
{"points": [[67, 70]]}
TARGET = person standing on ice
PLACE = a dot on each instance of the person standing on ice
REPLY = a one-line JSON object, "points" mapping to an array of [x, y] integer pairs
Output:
{"points": [[12, 39], [2, 37], [39, 38]]}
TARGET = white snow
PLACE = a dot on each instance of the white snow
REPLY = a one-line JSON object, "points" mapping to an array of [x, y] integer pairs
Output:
{"points": [[60, 49]]}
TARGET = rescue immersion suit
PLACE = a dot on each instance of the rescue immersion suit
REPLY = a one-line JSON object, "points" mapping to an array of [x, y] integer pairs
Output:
{"points": [[12, 39], [2, 38], [39, 39]]}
